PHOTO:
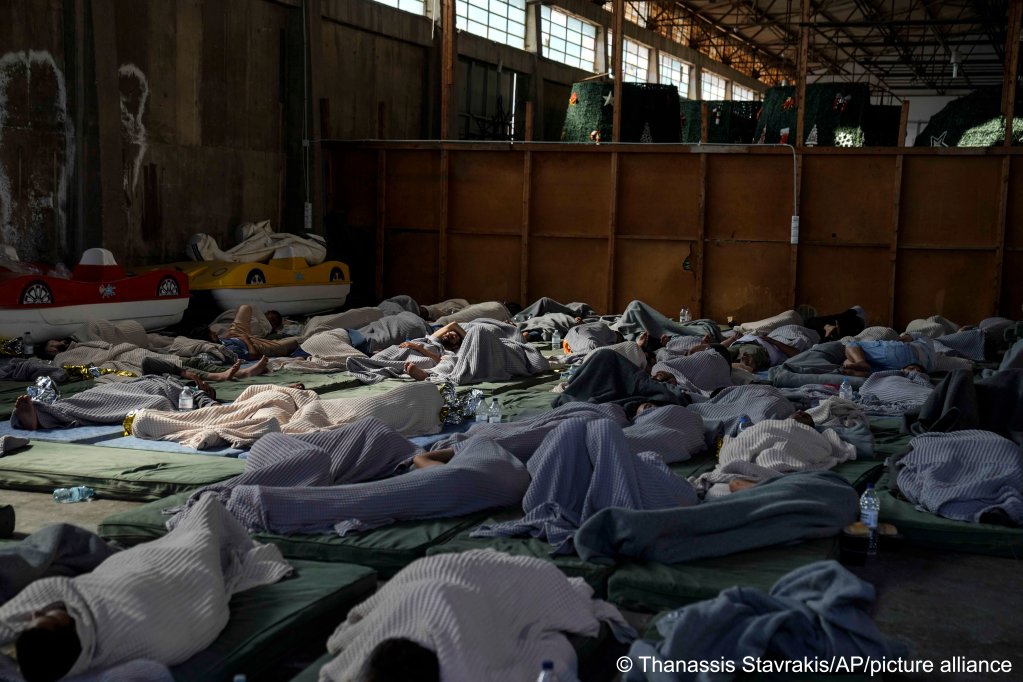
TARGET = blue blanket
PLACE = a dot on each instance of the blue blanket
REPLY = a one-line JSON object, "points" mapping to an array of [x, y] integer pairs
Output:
{"points": [[584, 466], [818, 611], [799, 506]]}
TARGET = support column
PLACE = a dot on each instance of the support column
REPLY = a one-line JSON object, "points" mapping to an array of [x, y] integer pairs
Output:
{"points": [[314, 154], [1012, 38], [616, 62], [448, 57]]}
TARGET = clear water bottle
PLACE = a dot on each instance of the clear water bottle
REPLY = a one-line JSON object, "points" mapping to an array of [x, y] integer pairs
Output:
{"points": [[28, 347], [240, 677], [79, 493], [684, 316], [556, 341], [845, 391], [482, 412], [186, 401], [870, 509], [547, 673], [744, 423], [495, 411]]}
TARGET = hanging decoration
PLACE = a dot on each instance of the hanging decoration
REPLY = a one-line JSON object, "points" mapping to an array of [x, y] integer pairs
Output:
{"points": [[939, 141], [717, 115], [574, 99], [646, 137], [784, 138], [840, 103], [763, 136], [789, 103], [811, 139], [609, 99], [595, 136]]}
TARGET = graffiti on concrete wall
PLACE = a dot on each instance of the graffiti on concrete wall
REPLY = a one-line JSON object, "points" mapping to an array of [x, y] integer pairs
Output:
{"points": [[34, 194], [134, 87]]}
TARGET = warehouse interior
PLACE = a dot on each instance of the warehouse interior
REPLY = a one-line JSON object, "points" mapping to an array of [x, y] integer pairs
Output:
{"points": [[738, 166]]}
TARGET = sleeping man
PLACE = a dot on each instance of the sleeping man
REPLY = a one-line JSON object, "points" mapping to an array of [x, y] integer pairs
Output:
{"points": [[132, 607]]}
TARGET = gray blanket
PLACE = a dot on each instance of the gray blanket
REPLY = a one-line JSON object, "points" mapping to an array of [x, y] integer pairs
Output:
{"points": [[801, 506], [393, 329], [107, 403], [30, 369], [589, 336], [545, 306], [721, 413], [580, 468], [963, 475], [640, 317], [60, 549], [545, 325], [816, 612]]}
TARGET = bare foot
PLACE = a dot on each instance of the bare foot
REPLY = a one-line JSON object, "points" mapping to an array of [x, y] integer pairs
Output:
{"points": [[737, 484], [25, 411], [417, 373], [206, 388], [255, 370], [226, 375], [300, 387]]}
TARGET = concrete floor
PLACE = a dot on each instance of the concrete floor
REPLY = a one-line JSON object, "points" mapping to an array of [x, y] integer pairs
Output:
{"points": [[35, 510], [942, 604]]}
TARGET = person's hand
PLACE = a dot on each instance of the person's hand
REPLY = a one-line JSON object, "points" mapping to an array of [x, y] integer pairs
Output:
{"points": [[642, 339], [665, 338], [417, 347]]}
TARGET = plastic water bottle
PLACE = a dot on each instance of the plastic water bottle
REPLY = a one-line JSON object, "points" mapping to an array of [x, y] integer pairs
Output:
{"points": [[28, 347], [186, 401], [482, 412], [870, 509], [556, 341], [547, 673], [495, 411], [77, 494], [240, 677], [845, 391], [684, 316], [744, 423]]}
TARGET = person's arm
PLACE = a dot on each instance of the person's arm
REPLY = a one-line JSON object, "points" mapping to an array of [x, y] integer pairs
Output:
{"points": [[449, 327], [421, 349], [788, 350], [730, 340]]}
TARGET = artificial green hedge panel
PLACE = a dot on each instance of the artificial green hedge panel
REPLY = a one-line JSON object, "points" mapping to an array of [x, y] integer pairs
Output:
{"points": [[729, 121], [834, 115], [974, 120], [649, 113]]}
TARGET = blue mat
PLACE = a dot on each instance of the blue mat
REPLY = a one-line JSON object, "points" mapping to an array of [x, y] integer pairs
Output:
{"points": [[79, 434], [133, 443]]}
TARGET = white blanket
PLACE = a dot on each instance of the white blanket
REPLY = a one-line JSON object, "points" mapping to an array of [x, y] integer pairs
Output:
{"points": [[470, 609], [164, 600], [772, 448], [412, 409]]}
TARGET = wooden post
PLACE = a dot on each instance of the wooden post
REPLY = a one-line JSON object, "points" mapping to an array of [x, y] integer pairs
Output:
{"points": [[448, 57], [534, 127], [903, 124], [381, 231], [804, 59], [701, 244], [1012, 38], [616, 61], [442, 237], [527, 181], [704, 122], [1003, 215], [530, 109], [314, 160], [612, 230], [104, 32], [893, 248]]}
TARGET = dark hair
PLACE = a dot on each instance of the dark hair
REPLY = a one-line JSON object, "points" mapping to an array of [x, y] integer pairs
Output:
{"points": [[398, 660], [45, 655], [513, 308], [723, 352]]}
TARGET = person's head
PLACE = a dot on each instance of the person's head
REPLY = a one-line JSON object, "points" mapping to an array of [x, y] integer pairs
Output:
{"points": [[648, 405], [451, 339], [832, 332], [722, 351], [619, 337], [803, 418], [49, 647], [423, 312], [50, 349], [914, 367], [399, 659], [665, 377], [275, 320]]}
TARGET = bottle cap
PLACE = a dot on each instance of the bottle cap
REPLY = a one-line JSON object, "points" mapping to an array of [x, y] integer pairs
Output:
{"points": [[547, 665]]}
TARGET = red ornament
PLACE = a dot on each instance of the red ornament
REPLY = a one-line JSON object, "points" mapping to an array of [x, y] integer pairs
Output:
{"points": [[574, 99], [595, 136]]}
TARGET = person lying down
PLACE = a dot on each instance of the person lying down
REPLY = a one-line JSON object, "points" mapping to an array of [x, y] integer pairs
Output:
{"points": [[462, 617], [131, 607]]}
